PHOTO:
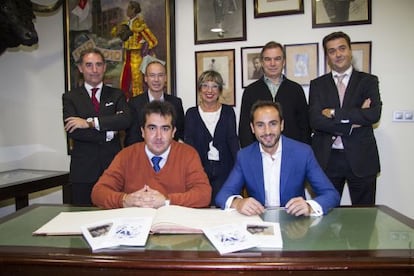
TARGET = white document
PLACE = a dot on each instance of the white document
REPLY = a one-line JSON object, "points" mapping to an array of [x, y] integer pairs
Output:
{"points": [[230, 238], [117, 232]]}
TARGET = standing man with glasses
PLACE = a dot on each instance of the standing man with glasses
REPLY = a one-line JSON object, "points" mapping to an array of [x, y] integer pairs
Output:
{"points": [[344, 104], [156, 172], [274, 86], [93, 116], [156, 78]]}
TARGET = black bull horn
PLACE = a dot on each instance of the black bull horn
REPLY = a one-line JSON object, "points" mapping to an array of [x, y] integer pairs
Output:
{"points": [[46, 8]]}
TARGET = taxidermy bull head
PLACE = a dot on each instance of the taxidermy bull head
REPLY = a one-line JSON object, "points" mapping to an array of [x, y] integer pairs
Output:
{"points": [[16, 22]]}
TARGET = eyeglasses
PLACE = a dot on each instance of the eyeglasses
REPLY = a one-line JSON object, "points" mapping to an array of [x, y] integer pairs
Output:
{"points": [[205, 86]]}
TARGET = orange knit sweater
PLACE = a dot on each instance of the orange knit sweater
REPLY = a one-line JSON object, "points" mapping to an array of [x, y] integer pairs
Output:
{"points": [[182, 179]]}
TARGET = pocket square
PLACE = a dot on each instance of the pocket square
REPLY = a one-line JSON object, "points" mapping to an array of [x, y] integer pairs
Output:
{"points": [[109, 104]]}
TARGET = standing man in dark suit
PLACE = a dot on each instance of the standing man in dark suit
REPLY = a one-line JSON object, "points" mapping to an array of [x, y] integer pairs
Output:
{"points": [[344, 104], [155, 77], [274, 86], [93, 114]]}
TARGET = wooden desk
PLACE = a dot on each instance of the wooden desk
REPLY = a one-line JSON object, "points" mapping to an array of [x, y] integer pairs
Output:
{"points": [[21, 182], [348, 241]]}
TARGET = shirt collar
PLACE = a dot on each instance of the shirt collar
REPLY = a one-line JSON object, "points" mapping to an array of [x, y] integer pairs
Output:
{"points": [[88, 87], [347, 72], [151, 98], [267, 79], [278, 150], [164, 155]]}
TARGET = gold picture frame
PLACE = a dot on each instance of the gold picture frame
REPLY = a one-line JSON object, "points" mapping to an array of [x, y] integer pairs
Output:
{"points": [[329, 13], [93, 30], [265, 8], [249, 58], [302, 63], [219, 21]]}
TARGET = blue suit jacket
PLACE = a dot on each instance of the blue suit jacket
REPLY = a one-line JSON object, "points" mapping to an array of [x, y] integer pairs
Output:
{"points": [[298, 166]]}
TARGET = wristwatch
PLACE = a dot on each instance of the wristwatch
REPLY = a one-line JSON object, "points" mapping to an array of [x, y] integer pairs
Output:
{"points": [[90, 122]]}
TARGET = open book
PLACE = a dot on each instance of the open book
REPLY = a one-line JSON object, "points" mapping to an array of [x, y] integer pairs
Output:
{"points": [[167, 219]]}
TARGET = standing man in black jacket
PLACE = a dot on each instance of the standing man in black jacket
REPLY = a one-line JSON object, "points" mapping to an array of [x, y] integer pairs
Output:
{"points": [[344, 104], [93, 115], [274, 86], [156, 78]]}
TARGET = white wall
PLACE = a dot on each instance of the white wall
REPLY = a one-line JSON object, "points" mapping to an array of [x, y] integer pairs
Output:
{"points": [[32, 82]]}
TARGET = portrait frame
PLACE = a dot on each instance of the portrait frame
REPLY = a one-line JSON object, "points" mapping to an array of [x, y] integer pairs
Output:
{"points": [[340, 13], [263, 8], [248, 54], [302, 63], [222, 61], [361, 57], [214, 24], [94, 31]]}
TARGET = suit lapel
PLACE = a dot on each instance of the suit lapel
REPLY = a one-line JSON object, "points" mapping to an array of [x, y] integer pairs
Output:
{"points": [[351, 87], [86, 100], [285, 168], [254, 163]]}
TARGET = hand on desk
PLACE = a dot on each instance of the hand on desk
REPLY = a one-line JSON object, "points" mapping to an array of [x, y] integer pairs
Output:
{"points": [[146, 197], [298, 206], [248, 206]]}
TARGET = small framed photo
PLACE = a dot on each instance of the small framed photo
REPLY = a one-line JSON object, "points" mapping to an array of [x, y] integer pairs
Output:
{"points": [[302, 62], [264, 8], [328, 13], [219, 21], [221, 61], [91, 26], [361, 57], [251, 64]]}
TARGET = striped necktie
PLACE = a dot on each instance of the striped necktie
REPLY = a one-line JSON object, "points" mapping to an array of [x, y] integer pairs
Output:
{"points": [[156, 163]]}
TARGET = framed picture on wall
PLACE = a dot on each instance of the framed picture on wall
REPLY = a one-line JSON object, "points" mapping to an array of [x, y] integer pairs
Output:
{"points": [[221, 61], [219, 21], [361, 57], [92, 26], [302, 62], [328, 13], [251, 64], [264, 8]]}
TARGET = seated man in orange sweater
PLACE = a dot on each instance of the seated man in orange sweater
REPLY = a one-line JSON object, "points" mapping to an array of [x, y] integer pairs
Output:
{"points": [[156, 172]]}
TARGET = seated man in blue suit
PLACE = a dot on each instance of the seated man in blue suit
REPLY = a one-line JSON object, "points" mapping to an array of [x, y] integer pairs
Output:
{"points": [[274, 171]]}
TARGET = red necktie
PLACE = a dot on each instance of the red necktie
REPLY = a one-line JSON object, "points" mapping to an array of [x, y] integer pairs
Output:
{"points": [[95, 100]]}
